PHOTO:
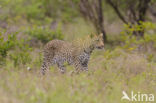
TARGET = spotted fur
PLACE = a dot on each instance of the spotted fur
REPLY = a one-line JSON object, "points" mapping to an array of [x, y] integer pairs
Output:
{"points": [[58, 52]]}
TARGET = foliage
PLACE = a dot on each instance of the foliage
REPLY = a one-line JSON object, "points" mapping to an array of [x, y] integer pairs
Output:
{"points": [[16, 49], [131, 40], [13, 8], [21, 55], [44, 34], [36, 10], [60, 9], [6, 45]]}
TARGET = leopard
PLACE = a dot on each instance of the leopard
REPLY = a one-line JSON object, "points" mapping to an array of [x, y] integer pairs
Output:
{"points": [[73, 53]]}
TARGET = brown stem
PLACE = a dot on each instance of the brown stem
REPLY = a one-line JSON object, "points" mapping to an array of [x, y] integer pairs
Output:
{"points": [[116, 9]]}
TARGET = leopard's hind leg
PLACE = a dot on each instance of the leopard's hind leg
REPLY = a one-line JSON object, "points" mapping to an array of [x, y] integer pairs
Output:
{"points": [[47, 62], [44, 68]]}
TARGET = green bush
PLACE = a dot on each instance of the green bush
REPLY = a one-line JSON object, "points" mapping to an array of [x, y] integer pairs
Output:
{"points": [[30, 9], [132, 41], [17, 50], [6, 45], [44, 34], [21, 55], [36, 10]]}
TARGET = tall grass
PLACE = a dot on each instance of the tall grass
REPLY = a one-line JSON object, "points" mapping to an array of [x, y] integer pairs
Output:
{"points": [[116, 71]]}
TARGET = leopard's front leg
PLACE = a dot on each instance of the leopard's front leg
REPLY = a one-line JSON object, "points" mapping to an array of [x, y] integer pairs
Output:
{"points": [[84, 65], [45, 65], [80, 67]]}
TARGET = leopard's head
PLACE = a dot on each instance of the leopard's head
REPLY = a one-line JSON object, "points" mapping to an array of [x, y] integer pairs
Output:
{"points": [[98, 41]]}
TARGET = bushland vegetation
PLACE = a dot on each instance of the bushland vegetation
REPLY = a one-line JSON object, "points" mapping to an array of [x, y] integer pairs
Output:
{"points": [[127, 63]]}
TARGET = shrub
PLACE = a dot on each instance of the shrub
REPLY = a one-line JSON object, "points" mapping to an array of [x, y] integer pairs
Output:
{"points": [[6, 45], [17, 50], [134, 42], [21, 55], [31, 9], [37, 10], [44, 34]]}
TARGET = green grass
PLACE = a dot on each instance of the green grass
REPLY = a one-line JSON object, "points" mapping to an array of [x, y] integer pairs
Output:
{"points": [[116, 71]]}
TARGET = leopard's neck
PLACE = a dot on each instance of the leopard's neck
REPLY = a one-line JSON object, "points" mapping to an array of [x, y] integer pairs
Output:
{"points": [[89, 50]]}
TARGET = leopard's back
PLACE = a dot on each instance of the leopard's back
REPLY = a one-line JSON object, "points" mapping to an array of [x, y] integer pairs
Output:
{"points": [[56, 46]]}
